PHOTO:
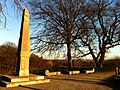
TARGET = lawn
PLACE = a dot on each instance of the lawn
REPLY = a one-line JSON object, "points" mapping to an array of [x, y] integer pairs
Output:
{"points": [[95, 81]]}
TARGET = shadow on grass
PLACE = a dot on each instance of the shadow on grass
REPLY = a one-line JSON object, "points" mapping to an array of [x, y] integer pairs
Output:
{"points": [[29, 87], [111, 82]]}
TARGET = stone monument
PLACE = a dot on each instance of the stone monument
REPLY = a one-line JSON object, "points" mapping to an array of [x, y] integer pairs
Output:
{"points": [[23, 52], [22, 76]]}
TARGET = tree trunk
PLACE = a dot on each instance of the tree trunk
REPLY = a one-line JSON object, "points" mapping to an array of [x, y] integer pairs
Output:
{"points": [[100, 61], [102, 57], [98, 65], [69, 55]]}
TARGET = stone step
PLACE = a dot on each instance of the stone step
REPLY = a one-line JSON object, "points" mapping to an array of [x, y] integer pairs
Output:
{"points": [[9, 78], [13, 84], [22, 78], [35, 77]]}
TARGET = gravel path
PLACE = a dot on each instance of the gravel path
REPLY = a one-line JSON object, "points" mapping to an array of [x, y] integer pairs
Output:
{"points": [[96, 81]]}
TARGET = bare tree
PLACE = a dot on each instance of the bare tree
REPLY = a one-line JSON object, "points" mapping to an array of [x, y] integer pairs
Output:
{"points": [[104, 18], [93, 25], [56, 24]]}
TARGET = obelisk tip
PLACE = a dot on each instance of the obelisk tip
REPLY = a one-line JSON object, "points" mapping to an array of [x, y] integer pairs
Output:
{"points": [[26, 10]]}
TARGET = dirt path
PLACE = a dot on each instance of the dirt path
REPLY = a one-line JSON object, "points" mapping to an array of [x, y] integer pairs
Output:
{"points": [[96, 81]]}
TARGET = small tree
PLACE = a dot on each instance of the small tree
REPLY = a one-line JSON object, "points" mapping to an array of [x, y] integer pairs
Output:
{"points": [[8, 58]]}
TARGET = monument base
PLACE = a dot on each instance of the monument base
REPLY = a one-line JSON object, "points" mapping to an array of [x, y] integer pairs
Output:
{"points": [[12, 81]]}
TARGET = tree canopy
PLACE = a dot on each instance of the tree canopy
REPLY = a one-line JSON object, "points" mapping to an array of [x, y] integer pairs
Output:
{"points": [[104, 18], [57, 24], [75, 24], [73, 27]]}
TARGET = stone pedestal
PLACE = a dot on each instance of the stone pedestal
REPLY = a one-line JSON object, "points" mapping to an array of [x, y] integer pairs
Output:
{"points": [[23, 67], [12, 81]]}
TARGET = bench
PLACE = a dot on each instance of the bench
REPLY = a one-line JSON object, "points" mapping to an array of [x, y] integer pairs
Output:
{"points": [[90, 71], [74, 72], [47, 73]]}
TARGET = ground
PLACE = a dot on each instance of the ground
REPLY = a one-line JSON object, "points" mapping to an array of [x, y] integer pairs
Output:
{"points": [[95, 81]]}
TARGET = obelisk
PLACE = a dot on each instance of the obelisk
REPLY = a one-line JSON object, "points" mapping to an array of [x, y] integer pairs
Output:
{"points": [[22, 76], [23, 52]]}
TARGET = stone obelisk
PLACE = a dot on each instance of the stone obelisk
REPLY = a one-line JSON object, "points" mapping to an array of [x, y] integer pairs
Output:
{"points": [[23, 52], [22, 76]]}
